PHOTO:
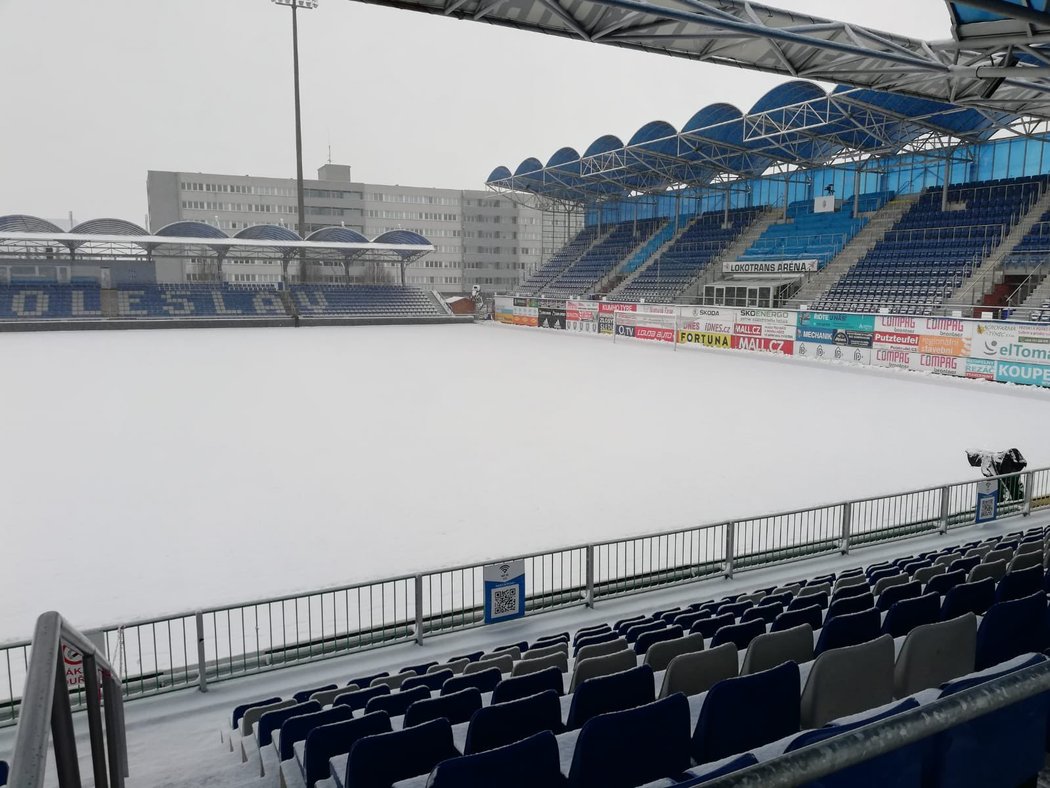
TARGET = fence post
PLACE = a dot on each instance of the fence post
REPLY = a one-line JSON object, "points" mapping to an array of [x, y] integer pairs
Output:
{"points": [[94, 713], [847, 520], [419, 609], [730, 540], [202, 678], [945, 496], [589, 597], [1029, 483]]}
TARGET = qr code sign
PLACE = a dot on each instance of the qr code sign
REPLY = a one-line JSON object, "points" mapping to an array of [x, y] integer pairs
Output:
{"points": [[504, 601], [987, 511]]}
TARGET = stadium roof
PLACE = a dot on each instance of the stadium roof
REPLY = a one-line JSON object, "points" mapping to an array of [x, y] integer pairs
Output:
{"points": [[111, 237], [796, 124], [998, 62]]}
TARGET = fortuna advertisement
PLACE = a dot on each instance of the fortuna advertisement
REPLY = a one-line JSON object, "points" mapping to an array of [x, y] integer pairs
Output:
{"points": [[693, 338], [581, 316]]}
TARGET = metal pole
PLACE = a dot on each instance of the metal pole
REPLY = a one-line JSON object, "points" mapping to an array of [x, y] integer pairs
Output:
{"points": [[94, 713], [945, 495], [202, 676], [847, 519], [419, 609], [116, 739], [725, 213], [589, 599], [944, 187], [856, 192], [62, 732], [298, 127], [1029, 482], [730, 540]]}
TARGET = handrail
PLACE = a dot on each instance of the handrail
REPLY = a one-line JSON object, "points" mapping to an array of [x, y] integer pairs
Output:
{"points": [[900, 730], [46, 712]]}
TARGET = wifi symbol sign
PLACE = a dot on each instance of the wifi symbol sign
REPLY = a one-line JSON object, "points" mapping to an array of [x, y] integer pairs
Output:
{"points": [[504, 568]]}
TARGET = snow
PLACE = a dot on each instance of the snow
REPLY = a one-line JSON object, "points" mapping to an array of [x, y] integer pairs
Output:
{"points": [[147, 472]]}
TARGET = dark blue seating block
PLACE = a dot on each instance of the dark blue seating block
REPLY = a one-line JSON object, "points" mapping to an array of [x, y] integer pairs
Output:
{"points": [[418, 670], [812, 615], [591, 640], [304, 695], [362, 682], [852, 604], [735, 765], [358, 699], [483, 680], [646, 639], [615, 692], [895, 594], [272, 720], [528, 763], [901, 768], [381, 760], [767, 612], [740, 635], [907, 614], [627, 748], [431, 681], [238, 711], [708, 626], [500, 724], [529, 684], [396, 703], [456, 708], [974, 597], [742, 713], [1020, 583], [298, 728], [849, 630], [338, 738], [1010, 629], [1001, 749]]}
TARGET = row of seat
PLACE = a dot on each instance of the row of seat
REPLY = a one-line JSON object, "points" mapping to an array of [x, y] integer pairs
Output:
{"points": [[560, 260], [581, 276]]}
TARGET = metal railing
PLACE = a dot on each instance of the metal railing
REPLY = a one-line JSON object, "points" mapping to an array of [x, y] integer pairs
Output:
{"points": [[47, 712], [832, 755], [191, 649]]}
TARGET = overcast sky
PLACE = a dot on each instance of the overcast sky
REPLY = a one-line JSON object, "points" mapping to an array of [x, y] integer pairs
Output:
{"points": [[96, 93]]}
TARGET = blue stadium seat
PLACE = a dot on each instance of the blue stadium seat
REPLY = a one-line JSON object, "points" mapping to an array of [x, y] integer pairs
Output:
{"points": [[821, 599], [527, 763], [358, 699], [381, 760], [975, 597], [1010, 629], [396, 703], [701, 775], [361, 682], [907, 614], [614, 692], [304, 695], [851, 604], [646, 639], [942, 584], [419, 670], [338, 738], [272, 720], [895, 594], [1019, 583], [746, 712], [456, 708], [431, 681], [238, 711], [627, 748], [4, 771], [686, 620], [500, 724], [529, 684], [708, 626], [766, 612], [591, 640], [739, 635], [483, 680], [789, 619], [298, 728], [848, 630]]}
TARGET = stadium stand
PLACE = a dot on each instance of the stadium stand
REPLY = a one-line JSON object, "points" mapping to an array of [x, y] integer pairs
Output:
{"points": [[45, 301], [686, 257], [808, 235], [560, 260], [198, 300], [627, 718], [930, 252], [363, 300]]}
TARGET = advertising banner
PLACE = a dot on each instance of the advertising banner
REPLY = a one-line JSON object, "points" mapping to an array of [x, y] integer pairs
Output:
{"points": [[944, 336], [693, 338], [504, 591], [823, 351], [1024, 342], [606, 311], [921, 362], [1022, 373], [770, 266], [707, 319], [769, 323], [649, 327], [784, 347], [835, 336], [526, 312], [581, 316], [833, 320], [551, 314], [505, 309], [980, 368]]}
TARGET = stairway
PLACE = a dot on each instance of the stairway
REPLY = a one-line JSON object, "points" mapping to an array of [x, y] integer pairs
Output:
{"points": [[879, 223], [615, 277], [743, 242], [682, 227], [1035, 299], [569, 262], [982, 281]]}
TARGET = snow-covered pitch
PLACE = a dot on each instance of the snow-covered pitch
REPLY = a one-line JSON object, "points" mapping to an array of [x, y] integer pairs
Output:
{"points": [[147, 472]]}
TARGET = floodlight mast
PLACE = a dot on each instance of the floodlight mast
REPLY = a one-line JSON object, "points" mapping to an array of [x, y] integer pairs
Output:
{"points": [[295, 6]]}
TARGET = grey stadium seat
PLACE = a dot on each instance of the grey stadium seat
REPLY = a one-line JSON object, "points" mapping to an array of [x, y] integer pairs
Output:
{"points": [[394, 682], [694, 673], [557, 659], [601, 666], [774, 648], [848, 680], [557, 648], [505, 662], [935, 653], [659, 655], [995, 570], [888, 582], [602, 649], [456, 666], [252, 715], [926, 573]]}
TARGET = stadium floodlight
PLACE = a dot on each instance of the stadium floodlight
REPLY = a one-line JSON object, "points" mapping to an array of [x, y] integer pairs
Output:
{"points": [[295, 5]]}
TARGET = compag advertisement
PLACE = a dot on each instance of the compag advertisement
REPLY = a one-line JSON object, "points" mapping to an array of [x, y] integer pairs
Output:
{"points": [[1006, 352]]}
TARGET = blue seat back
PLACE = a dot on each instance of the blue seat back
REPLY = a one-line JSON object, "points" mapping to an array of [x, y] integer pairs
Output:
{"points": [[942, 584], [455, 708], [708, 626], [1019, 583], [526, 763], [338, 738], [483, 680], [1010, 629], [975, 597], [848, 630], [362, 682], [895, 594], [238, 711], [272, 720], [4, 769], [502, 723], [304, 695], [851, 604], [592, 640], [628, 748], [641, 645], [529, 684], [766, 612], [686, 620], [396, 703], [615, 692], [358, 699], [418, 670], [813, 615], [742, 713], [736, 608], [381, 760], [632, 633], [432, 681], [907, 614], [298, 728], [740, 635]]}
